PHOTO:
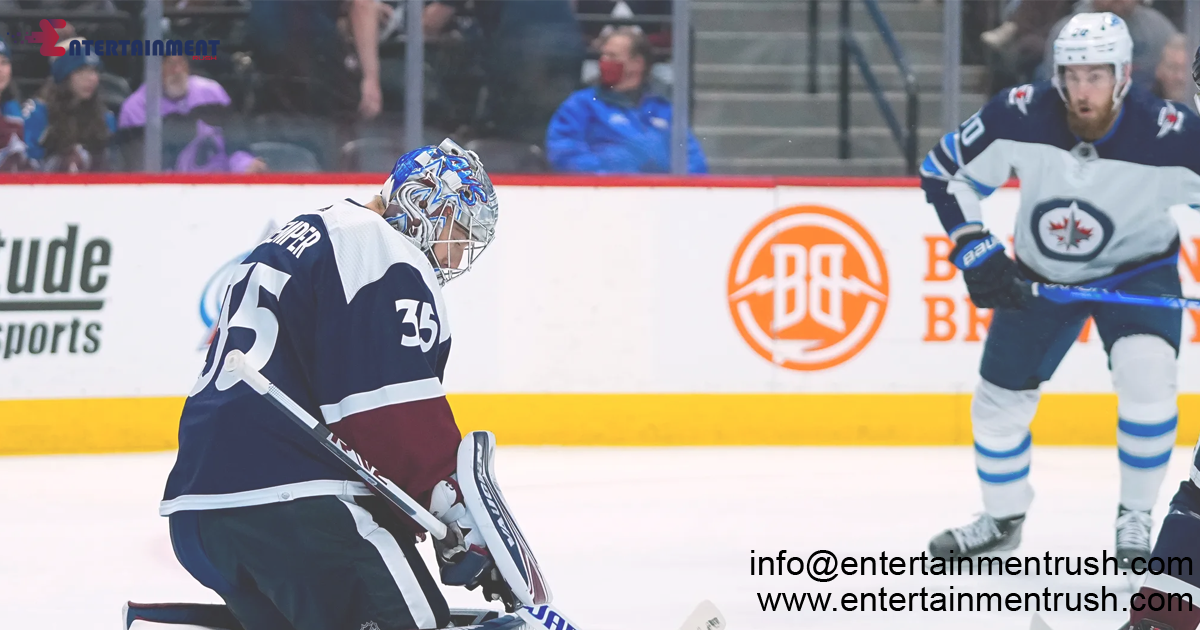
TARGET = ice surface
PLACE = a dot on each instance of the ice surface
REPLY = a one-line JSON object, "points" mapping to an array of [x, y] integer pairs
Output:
{"points": [[630, 538]]}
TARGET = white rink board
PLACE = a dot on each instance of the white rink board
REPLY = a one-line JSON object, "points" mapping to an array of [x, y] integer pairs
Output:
{"points": [[585, 290]]}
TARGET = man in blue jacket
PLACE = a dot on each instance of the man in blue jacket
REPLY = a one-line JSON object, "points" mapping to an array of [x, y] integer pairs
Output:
{"points": [[617, 127]]}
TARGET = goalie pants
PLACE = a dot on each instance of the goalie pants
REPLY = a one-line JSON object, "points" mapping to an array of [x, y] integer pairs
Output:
{"points": [[311, 564], [1024, 348]]}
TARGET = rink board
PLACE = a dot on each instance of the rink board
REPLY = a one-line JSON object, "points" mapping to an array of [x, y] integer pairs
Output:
{"points": [[601, 315], [105, 425]]}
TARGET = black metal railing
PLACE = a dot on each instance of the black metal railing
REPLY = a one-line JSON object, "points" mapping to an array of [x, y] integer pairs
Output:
{"points": [[906, 135]]}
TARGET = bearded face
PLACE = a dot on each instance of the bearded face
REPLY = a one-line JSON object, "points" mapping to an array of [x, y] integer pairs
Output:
{"points": [[1089, 91]]}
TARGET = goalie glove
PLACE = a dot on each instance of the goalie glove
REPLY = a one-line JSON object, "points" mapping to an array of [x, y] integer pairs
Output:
{"points": [[463, 557]]}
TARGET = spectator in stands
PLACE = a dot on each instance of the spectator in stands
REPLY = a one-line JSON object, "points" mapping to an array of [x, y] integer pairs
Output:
{"points": [[1173, 77], [307, 67], [67, 127], [1020, 41], [12, 125], [532, 54], [617, 127], [1148, 28], [183, 94], [658, 32], [115, 29]]}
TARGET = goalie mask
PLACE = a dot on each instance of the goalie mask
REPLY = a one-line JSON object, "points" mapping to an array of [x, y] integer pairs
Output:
{"points": [[442, 196]]}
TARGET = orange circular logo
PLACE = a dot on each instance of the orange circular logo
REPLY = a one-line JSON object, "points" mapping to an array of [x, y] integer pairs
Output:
{"points": [[808, 288]]}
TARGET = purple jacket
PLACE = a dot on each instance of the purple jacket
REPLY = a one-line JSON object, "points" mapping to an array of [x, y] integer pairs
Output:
{"points": [[201, 92]]}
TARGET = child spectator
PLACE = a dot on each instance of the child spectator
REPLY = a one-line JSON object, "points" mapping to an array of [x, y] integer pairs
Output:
{"points": [[617, 127], [185, 94], [12, 125], [67, 127]]}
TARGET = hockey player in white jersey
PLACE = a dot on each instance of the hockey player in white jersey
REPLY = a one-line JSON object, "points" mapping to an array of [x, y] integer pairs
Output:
{"points": [[1099, 161]]}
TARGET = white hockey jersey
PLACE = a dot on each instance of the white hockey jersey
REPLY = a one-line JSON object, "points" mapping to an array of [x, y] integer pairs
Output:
{"points": [[1088, 209]]}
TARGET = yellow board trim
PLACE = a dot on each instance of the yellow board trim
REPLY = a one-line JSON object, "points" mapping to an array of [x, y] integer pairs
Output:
{"points": [[108, 425]]}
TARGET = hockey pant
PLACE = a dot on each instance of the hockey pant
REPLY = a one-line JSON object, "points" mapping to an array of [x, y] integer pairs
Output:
{"points": [[311, 564]]}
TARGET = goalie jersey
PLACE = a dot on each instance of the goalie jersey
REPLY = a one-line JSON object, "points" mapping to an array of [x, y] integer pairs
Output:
{"points": [[1088, 210], [346, 317]]}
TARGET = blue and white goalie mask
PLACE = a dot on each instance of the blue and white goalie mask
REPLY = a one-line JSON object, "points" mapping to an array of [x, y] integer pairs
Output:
{"points": [[442, 200]]}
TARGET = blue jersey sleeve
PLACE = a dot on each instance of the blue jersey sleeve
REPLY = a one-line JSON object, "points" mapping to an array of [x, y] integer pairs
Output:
{"points": [[970, 163]]}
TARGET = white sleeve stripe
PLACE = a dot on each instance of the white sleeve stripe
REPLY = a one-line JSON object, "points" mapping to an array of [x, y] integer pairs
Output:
{"points": [[397, 393], [968, 200]]}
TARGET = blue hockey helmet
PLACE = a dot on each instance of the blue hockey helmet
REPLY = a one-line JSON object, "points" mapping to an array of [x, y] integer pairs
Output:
{"points": [[441, 200]]}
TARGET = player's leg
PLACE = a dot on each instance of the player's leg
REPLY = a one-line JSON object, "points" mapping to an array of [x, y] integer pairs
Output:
{"points": [[322, 562], [1142, 346], [1022, 350], [1177, 545], [255, 610]]}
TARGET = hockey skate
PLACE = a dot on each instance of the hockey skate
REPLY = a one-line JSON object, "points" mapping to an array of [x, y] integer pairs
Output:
{"points": [[985, 535], [1133, 536]]}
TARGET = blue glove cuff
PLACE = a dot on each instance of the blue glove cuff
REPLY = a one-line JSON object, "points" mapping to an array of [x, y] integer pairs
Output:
{"points": [[975, 252]]}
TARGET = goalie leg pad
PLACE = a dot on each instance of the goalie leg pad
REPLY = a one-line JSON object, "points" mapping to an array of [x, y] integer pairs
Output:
{"points": [[494, 520]]}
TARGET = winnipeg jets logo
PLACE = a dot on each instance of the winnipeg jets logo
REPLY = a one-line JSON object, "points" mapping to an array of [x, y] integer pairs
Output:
{"points": [[1169, 119], [1070, 232], [1020, 97], [1070, 229]]}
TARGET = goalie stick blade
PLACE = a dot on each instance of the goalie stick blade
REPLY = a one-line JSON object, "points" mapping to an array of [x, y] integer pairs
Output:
{"points": [[215, 616], [705, 617], [219, 617]]}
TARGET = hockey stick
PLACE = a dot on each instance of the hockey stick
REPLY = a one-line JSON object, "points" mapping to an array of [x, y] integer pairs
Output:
{"points": [[705, 617], [235, 363], [218, 617], [1064, 294], [1040, 624]]}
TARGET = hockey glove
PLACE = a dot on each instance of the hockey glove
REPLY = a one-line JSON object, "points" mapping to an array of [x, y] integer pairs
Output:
{"points": [[991, 276], [463, 557]]}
